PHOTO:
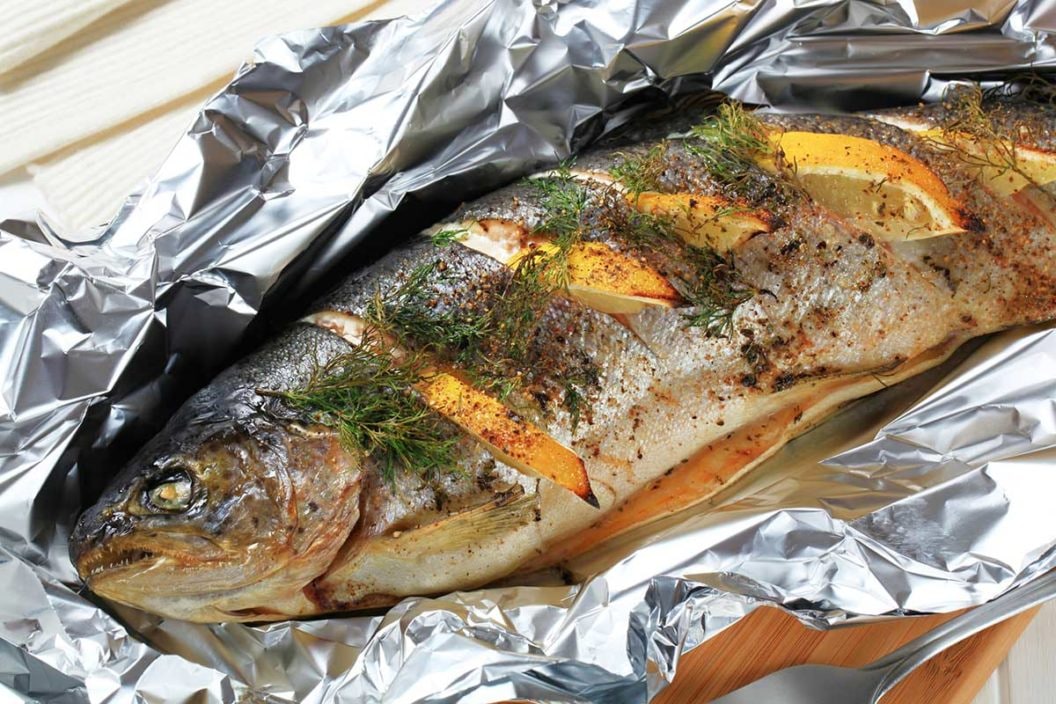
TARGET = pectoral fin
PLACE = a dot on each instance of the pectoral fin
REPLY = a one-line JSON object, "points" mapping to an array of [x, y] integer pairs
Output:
{"points": [[374, 570]]}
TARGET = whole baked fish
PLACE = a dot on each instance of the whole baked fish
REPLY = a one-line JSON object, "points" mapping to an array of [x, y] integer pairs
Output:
{"points": [[580, 353]]}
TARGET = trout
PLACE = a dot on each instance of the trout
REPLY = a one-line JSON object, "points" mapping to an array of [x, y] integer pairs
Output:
{"points": [[580, 353]]}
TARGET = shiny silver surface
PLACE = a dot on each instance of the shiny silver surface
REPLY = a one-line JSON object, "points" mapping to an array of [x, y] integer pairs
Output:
{"points": [[303, 156]]}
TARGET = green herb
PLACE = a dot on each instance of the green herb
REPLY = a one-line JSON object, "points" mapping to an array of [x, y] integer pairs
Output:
{"points": [[729, 144], [515, 310], [714, 292], [563, 201], [1029, 87], [523, 300], [411, 315], [573, 402], [966, 118], [712, 289], [495, 378], [365, 395], [498, 363], [448, 236], [489, 339], [643, 230], [641, 173], [577, 384]]}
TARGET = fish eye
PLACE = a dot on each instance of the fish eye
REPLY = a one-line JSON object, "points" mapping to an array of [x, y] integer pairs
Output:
{"points": [[171, 494]]}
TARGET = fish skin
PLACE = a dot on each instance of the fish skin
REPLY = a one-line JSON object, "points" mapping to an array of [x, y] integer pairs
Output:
{"points": [[1013, 268], [835, 305]]}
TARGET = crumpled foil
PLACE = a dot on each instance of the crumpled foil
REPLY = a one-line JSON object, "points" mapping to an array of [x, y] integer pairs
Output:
{"points": [[335, 138]]}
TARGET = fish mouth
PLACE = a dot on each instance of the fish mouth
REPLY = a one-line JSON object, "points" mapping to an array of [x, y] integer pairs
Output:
{"points": [[172, 583], [110, 561], [128, 561]]}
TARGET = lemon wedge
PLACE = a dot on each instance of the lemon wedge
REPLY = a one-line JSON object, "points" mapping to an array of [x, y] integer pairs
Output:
{"points": [[703, 221], [511, 439], [700, 220], [882, 190], [598, 276], [609, 281]]}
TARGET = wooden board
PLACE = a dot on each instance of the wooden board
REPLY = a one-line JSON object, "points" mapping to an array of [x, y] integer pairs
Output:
{"points": [[770, 640]]}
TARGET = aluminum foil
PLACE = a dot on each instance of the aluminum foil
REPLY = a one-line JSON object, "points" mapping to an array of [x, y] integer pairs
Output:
{"points": [[336, 138]]}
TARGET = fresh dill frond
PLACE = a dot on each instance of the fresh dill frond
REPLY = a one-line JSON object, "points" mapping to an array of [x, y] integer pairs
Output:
{"points": [[640, 173], [563, 200], [714, 291], [573, 401], [577, 384], [448, 236], [525, 296], [710, 286], [647, 230], [967, 124], [365, 395], [736, 129], [389, 312], [411, 315], [489, 338], [730, 143], [493, 377], [506, 328]]}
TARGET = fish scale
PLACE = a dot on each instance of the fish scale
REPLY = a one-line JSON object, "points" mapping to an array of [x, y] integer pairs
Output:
{"points": [[832, 313]]}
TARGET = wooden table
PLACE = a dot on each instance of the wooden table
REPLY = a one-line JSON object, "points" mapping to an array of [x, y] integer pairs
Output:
{"points": [[769, 640]]}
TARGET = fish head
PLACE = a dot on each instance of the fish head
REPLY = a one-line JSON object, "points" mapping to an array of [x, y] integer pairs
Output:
{"points": [[221, 520]]}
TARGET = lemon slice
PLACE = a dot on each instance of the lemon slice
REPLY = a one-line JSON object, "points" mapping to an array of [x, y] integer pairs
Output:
{"points": [[704, 221], [700, 220], [883, 190]]}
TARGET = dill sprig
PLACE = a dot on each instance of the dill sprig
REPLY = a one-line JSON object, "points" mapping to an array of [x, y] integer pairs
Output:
{"points": [[488, 339], [730, 143], [411, 315], [577, 384], [644, 230], [712, 288], [522, 301], [505, 328], [448, 236], [1029, 87], [966, 118], [365, 395], [563, 200], [516, 309], [714, 292], [639, 173]]}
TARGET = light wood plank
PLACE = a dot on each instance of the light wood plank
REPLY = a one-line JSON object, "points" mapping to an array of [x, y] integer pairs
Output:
{"points": [[1030, 677], [769, 640]]}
